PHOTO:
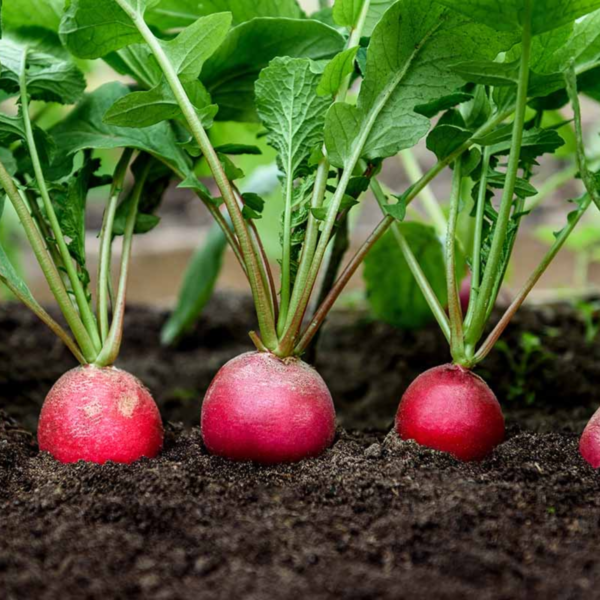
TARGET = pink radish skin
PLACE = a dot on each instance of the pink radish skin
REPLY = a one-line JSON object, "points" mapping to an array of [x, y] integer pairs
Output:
{"points": [[589, 446], [97, 415], [263, 409], [451, 409]]}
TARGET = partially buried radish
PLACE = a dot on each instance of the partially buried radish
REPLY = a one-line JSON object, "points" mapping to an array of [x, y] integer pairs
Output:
{"points": [[269, 410], [99, 415], [451, 409], [589, 445], [95, 412]]}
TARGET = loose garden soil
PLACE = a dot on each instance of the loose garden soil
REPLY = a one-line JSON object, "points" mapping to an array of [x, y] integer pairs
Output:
{"points": [[373, 518]]}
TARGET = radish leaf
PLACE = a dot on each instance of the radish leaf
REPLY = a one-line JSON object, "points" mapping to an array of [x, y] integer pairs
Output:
{"points": [[231, 72], [407, 66], [392, 291], [506, 15]]}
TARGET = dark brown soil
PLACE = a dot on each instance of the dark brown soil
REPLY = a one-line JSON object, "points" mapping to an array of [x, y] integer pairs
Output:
{"points": [[374, 518]]}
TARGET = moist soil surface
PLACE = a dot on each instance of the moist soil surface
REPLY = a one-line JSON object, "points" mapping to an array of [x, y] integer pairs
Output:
{"points": [[374, 517]]}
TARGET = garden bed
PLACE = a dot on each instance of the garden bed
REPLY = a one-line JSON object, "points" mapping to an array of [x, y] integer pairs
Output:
{"points": [[373, 518]]}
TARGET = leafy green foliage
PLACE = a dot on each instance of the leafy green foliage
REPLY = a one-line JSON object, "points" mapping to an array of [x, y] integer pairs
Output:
{"points": [[291, 111], [347, 12], [32, 13], [336, 71], [144, 109], [445, 138], [70, 207], [536, 141], [84, 128], [411, 46], [49, 78], [146, 220], [194, 45], [169, 14], [112, 28], [392, 291], [253, 206], [230, 74], [507, 15], [237, 149]]}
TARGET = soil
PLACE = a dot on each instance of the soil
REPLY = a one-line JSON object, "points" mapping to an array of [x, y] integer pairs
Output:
{"points": [[372, 518]]}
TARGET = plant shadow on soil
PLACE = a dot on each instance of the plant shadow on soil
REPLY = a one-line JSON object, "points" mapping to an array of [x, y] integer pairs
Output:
{"points": [[372, 518]]}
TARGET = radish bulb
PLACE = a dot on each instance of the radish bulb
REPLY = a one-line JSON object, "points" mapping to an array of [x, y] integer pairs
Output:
{"points": [[451, 409], [100, 415], [269, 410], [589, 446]]}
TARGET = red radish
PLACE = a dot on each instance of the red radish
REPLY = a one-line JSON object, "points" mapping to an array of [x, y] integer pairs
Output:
{"points": [[269, 410], [451, 409], [99, 415], [589, 446]]}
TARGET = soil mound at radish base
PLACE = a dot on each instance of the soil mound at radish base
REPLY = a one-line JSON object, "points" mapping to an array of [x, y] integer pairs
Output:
{"points": [[374, 517]]}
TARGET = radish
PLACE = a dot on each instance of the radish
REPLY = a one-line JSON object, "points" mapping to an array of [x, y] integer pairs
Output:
{"points": [[269, 410], [94, 413], [589, 445], [451, 409], [99, 415]]}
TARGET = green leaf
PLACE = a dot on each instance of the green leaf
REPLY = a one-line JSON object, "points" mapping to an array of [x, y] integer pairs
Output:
{"points": [[237, 149], [93, 28], [198, 284], [431, 109], [253, 206], [377, 9], [291, 111], [231, 72], [488, 72], [84, 128], [535, 141], [48, 78], [194, 45], [9, 162], [31, 13], [392, 292], [408, 63], [170, 14], [9, 276], [11, 129], [398, 210], [589, 83], [336, 71], [347, 12], [507, 15], [523, 189], [232, 171], [446, 138], [144, 109], [154, 190], [138, 62], [193, 183], [578, 43], [70, 208]]}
